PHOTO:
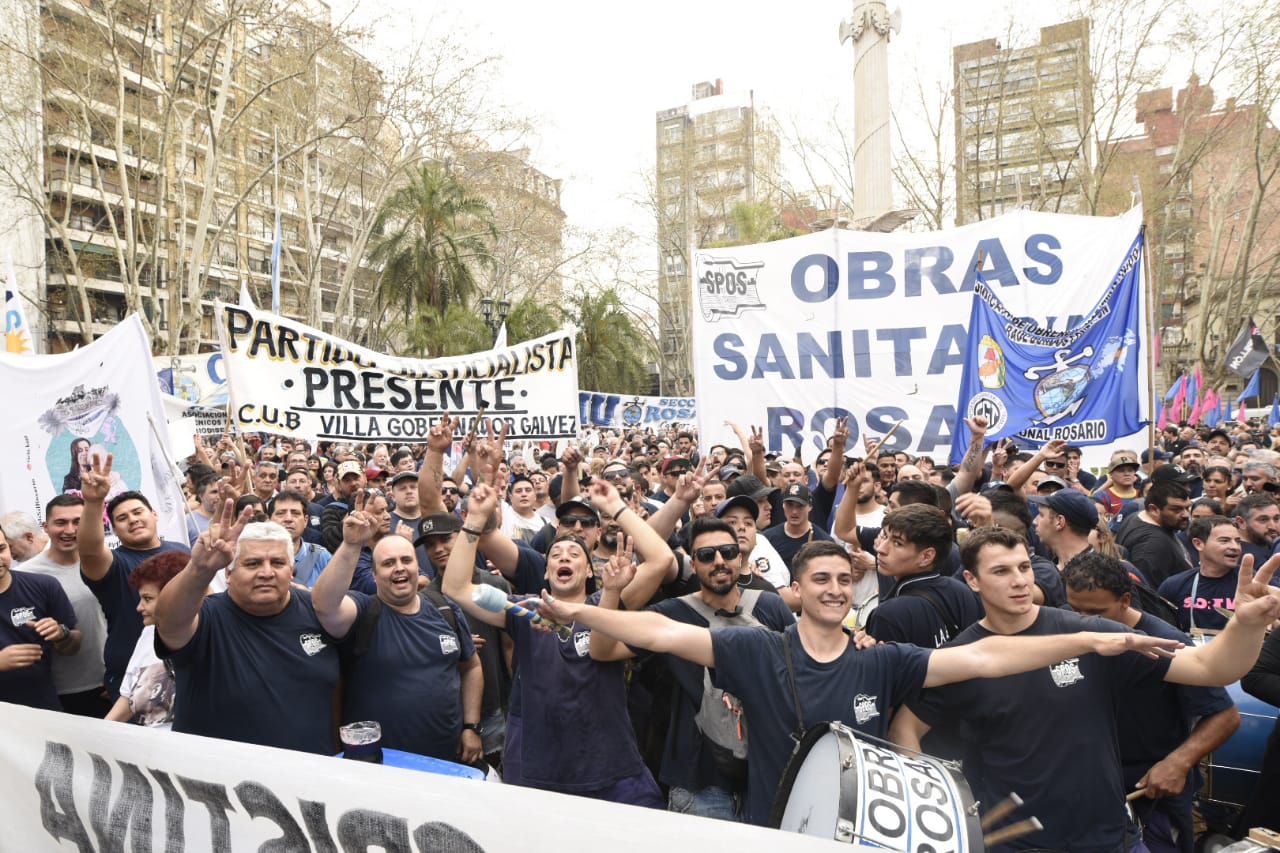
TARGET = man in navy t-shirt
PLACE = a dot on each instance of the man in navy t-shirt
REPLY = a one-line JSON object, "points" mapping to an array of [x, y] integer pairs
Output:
{"points": [[834, 679], [252, 664], [1031, 729], [1202, 594], [106, 572], [36, 617], [1165, 729], [419, 677]]}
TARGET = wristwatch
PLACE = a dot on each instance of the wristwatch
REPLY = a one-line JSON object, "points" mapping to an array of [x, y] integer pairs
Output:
{"points": [[475, 727], [66, 632]]}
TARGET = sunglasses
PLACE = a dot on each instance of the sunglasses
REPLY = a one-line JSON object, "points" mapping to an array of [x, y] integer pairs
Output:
{"points": [[449, 490], [1055, 464], [707, 553], [575, 520], [675, 471], [374, 493], [614, 476]]}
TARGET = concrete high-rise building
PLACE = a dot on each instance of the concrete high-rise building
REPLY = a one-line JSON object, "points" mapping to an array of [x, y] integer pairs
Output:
{"points": [[713, 153], [1023, 119], [156, 177]]}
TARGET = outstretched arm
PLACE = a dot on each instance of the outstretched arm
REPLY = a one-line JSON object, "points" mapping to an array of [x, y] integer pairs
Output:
{"points": [[1232, 653], [644, 630]]}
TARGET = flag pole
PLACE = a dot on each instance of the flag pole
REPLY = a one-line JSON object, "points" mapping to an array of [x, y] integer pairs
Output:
{"points": [[1148, 291]]}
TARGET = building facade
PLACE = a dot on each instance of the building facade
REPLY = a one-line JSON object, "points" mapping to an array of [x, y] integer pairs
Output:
{"points": [[712, 154], [1023, 119]]}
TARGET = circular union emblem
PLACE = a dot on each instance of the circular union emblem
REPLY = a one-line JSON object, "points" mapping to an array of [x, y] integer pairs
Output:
{"points": [[989, 406]]}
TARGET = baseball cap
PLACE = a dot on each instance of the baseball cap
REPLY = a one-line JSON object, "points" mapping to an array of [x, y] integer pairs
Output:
{"points": [[374, 473], [401, 476], [1159, 454], [992, 485], [797, 493], [751, 486], [1122, 460], [728, 472], [351, 466], [437, 524], [743, 501], [1172, 474], [1075, 507], [675, 462], [1055, 482], [576, 503]]}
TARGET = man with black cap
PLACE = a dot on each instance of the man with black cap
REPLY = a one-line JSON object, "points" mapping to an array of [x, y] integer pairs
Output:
{"points": [[1064, 522], [1150, 535], [796, 530], [762, 493], [672, 468]]}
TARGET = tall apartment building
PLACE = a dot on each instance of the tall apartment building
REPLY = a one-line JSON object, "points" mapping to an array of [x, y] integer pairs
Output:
{"points": [[712, 154], [1023, 118], [157, 177], [1196, 162]]}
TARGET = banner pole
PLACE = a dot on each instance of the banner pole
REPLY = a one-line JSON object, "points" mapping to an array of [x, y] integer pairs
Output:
{"points": [[1149, 293]]}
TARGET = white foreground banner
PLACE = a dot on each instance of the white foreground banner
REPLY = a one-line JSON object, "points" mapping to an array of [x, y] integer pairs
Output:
{"points": [[74, 783], [286, 377], [66, 408], [793, 334]]}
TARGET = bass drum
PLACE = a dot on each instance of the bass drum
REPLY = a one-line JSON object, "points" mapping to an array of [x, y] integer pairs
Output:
{"points": [[857, 791], [1231, 770]]}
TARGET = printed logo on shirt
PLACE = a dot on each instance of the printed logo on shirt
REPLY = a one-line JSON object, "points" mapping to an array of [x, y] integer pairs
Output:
{"points": [[448, 644], [864, 708], [1189, 603], [582, 643], [22, 615], [1066, 673], [312, 644]]}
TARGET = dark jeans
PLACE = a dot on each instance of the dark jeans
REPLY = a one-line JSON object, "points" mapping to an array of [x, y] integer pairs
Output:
{"points": [[88, 703]]}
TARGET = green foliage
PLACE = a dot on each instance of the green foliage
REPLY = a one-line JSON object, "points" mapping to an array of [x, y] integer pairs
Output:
{"points": [[756, 222], [458, 331], [614, 353], [528, 320]]}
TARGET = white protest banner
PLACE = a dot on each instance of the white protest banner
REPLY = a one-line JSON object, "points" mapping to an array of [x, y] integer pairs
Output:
{"points": [[289, 378], [630, 411], [99, 399], [793, 334], [75, 783], [198, 379]]}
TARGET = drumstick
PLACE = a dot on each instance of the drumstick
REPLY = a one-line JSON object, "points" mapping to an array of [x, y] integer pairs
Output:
{"points": [[1000, 809], [889, 434], [1012, 831], [1133, 795]]}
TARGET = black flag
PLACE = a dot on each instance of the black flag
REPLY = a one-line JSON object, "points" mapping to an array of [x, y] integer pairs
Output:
{"points": [[1248, 351]]}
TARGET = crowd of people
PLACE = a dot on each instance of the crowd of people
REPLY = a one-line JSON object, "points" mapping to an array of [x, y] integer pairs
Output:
{"points": [[701, 608]]}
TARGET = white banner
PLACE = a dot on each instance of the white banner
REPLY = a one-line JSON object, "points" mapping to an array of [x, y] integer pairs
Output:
{"points": [[630, 411], [69, 783], [99, 399], [198, 379], [289, 378], [793, 334]]}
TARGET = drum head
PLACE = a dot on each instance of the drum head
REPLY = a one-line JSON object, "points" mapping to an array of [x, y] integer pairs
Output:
{"points": [[814, 798]]}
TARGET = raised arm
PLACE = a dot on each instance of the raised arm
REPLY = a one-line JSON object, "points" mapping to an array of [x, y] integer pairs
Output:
{"points": [[658, 564], [91, 538], [644, 630], [571, 459], [177, 611], [996, 657], [835, 463], [969, 471], [336, 610], [845, 525], [1052, 450], [431, 479], [617, 575], [688, 489], [1231, 654], [462, 562]]}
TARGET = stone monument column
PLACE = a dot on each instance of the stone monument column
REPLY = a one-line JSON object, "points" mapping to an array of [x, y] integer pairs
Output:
{"points": [[868, 29]]}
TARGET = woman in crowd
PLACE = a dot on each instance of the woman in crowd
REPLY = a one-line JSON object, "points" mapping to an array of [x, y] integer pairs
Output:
{"points": [[147, 690]]}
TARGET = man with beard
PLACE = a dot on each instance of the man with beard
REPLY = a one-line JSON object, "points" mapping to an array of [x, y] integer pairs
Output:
{"points": [[699, 783], [1192, 459], [1218, 443], [1149, 535], [106, 571], [1258, 517], [413, 667]]}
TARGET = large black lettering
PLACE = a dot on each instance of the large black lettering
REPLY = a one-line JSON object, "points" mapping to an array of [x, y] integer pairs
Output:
{"points": [[317, 823], [213, 797], [435, 835], [260, 801], [934, 822], [129, 815], [239, 322], [360, 829], [58, 812], [175, 810]]}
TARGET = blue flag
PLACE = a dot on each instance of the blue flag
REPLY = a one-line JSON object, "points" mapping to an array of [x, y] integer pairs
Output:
{"points": [[1275, 411], [1080, 385], [1192, 392], [1252, 389], [1175, 388]]}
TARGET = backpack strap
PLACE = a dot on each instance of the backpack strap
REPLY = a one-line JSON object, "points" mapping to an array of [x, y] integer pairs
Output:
{"points": [[746, 604], [939, 606], [798, 734], [433, 594]]}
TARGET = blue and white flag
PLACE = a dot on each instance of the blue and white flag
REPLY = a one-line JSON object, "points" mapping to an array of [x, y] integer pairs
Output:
{"points": [[1275, 411], [1080, 385], [17, 332], [1251, 389]]}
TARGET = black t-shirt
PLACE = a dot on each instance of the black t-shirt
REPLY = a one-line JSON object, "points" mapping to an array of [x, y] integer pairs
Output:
{"points": [[30, 598], [1049, 579], [264, 680], [1156, 716], [408, 680], [685, 764], [120, 605], [787, 546], [907, 615], [860, 689], [1153, 549], [1050, 735]]}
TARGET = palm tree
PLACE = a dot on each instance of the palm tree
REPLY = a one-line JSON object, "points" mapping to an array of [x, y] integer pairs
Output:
{"points": [[529, 319], [613, 353], [429, 237], [456, 331]]}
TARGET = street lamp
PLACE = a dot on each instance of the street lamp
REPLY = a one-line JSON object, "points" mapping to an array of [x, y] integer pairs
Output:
{"points": [[494, 321]]}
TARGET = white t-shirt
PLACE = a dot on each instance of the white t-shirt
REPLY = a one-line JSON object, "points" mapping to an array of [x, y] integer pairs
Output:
{"points": [[767, 563], [148, 685]]}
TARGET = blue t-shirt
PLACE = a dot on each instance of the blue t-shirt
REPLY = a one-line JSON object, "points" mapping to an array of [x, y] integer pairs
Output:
{"points": [[30, 598], [860, 689], [408, 680], [1199, 596], [120, 605], [905, 615], [267, 680], [309, 562], [1050, 735], [685, 764]]}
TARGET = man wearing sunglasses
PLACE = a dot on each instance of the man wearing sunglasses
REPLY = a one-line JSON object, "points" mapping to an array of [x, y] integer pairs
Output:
{"points": [[699, 784]]}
